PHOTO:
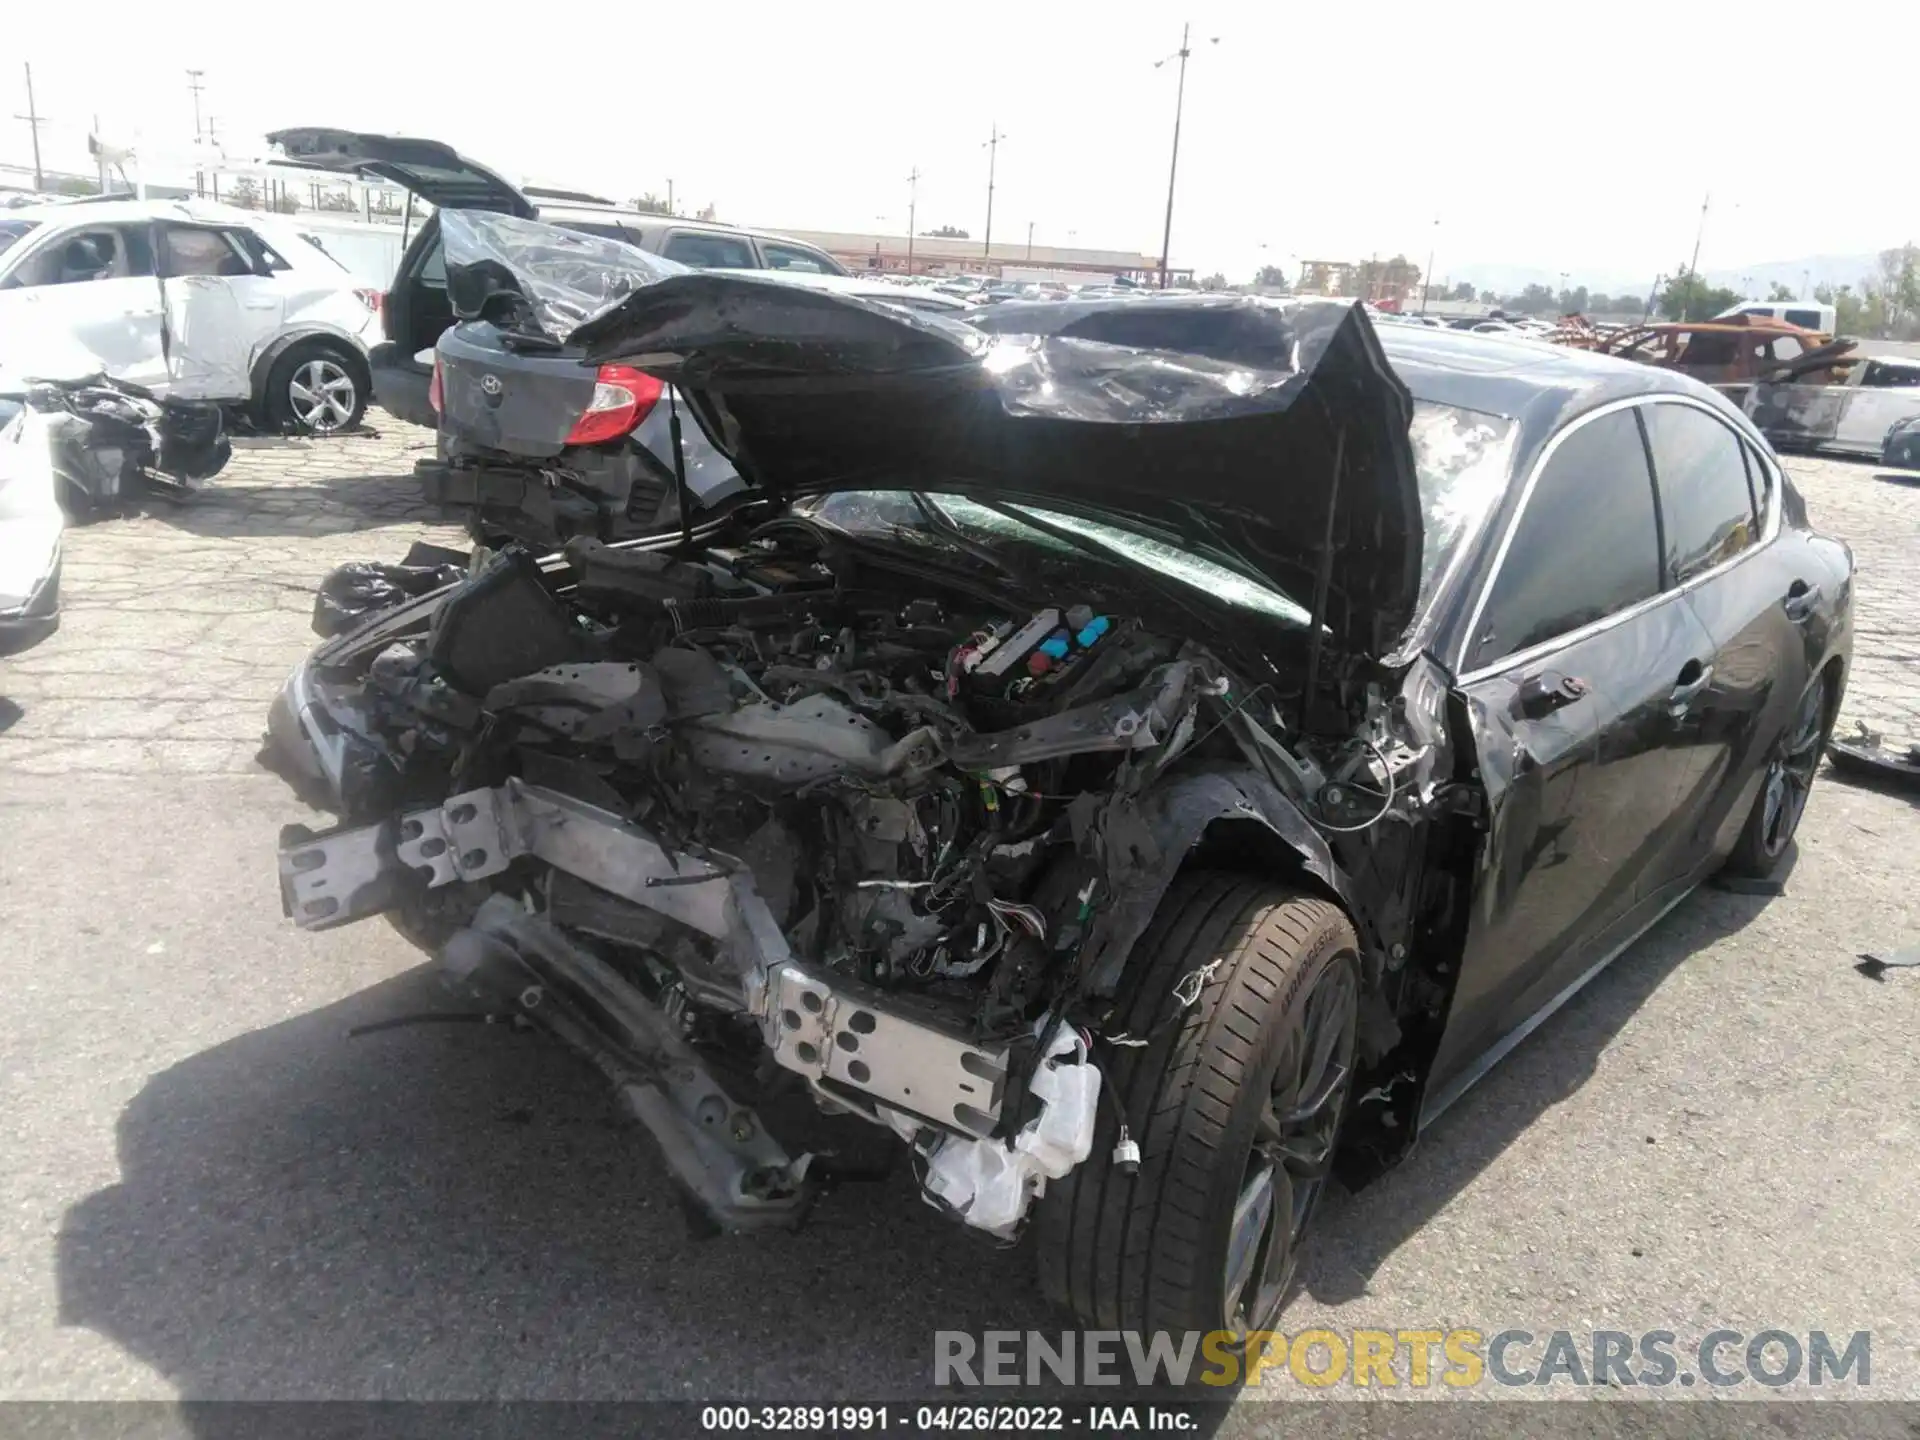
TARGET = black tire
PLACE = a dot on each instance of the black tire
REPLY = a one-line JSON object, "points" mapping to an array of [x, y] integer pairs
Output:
{"points": [[1151, 1252], [1785, 785], [283, 407]]}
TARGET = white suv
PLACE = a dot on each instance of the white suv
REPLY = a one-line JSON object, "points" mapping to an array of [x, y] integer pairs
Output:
{"points": [[193, 299]]}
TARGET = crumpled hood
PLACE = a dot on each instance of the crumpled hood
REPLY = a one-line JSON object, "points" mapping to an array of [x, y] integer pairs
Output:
{"points": [[1250, 431]]}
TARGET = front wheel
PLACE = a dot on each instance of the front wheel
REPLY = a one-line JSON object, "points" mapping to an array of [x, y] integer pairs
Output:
{"points": [[1235, 1102], [316, 388]]}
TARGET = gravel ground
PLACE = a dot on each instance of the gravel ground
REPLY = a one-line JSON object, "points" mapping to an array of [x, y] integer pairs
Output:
{"points": [[210, 1191]]}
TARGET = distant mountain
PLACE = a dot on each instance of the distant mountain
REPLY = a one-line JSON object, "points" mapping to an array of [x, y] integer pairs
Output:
{"points": [[1756, 279], [1812, 271]]}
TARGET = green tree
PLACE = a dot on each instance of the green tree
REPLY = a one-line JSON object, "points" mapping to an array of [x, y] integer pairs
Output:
{"points": [[245, 193], [946, 232], [650, 204], [1272, 277], [75, 185], [1892, 296], [1487, 297], [1688, 297], [1780, 292], [1534, 300], [1848, 310], [336, 200], [1215, 281], [1462, 291]]}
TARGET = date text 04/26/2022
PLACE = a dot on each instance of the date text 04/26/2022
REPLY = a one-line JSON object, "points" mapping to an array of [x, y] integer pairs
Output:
{"points": [[964, 1417]]}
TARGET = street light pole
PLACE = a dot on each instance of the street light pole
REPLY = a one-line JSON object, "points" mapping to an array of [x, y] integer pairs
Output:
{"points": [[1030, 239], [992, 147]]}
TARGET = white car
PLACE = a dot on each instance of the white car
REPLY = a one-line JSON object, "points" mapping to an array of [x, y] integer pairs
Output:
{"points": [[198, 300]]}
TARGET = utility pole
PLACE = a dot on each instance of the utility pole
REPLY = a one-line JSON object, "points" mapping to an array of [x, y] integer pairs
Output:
{"points": [[670, 209], [193, 84], [1030, 240], [1426, 280], [1173, 166], [992, 147], [913, 199], [34, 121]]}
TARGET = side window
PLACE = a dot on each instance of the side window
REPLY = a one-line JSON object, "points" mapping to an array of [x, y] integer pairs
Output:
{"points": [[1705, 507], [76, 259], [433, 266], [262, 255], [710, 252], [1805, 319], [1587, 545], [791, 257], [198, 250]]}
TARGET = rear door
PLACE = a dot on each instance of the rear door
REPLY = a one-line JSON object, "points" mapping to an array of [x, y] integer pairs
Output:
{"points": [[1719, 509], [1577, 662], [222, 308]]}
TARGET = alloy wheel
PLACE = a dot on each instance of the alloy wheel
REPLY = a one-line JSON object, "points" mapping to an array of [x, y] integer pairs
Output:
{"points": [[321, 395], [1292, 1151], [1790, 773]]}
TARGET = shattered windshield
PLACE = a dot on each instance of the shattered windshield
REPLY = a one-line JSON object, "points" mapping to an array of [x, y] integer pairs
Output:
{"points": [[1027, 550], [1460, 457]]}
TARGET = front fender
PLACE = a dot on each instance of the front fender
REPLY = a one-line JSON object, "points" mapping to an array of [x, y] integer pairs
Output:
{"points": [[1147, 839]]}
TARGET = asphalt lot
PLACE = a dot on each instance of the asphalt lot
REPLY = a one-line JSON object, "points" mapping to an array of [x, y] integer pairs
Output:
{"points": [[208, 1190]]}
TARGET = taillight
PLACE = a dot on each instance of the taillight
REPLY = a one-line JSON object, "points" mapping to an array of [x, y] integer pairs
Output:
{"points": [[622, 397], [433, 385]]}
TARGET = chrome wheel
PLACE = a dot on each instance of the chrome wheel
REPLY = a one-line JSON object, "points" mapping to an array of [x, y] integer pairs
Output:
{"points": [[321, 395], [1292, 1150], [1790, 774]]}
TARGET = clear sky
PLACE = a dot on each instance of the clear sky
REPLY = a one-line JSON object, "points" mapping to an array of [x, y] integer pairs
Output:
{"points": [[1576, 138]]}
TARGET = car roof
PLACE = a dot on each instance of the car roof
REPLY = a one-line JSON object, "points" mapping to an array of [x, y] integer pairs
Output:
{"points": [[117, 211], [1540, 384], [648, 219]]}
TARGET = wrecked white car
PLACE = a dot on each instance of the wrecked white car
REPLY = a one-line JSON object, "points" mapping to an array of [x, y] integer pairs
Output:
{"points": [[194, 300], [1078, 752]]}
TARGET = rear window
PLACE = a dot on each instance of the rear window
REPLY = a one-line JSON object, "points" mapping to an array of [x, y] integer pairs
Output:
{"points": [[792, 257], [711, 252]]}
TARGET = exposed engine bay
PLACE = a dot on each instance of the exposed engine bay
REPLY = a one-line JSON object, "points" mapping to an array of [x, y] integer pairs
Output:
{"points": [[764, 801]]}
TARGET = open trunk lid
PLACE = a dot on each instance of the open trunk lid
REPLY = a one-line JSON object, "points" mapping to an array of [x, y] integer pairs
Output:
{"points": [[437, 173]]}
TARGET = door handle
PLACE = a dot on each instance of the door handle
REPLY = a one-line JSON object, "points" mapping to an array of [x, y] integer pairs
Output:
{"points": [[1800, 601], [1694, 679]]}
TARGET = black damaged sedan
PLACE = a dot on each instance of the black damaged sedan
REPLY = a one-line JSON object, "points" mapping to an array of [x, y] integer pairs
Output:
{"points": [[1147, 757]]}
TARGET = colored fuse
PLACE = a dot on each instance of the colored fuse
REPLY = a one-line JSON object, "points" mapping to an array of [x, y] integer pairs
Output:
{"points": [[1055, 645], [1093, 630]]}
